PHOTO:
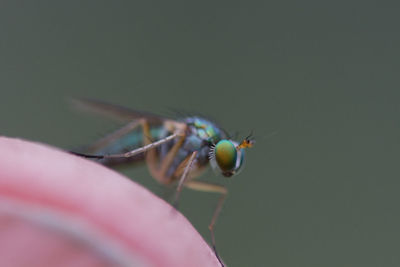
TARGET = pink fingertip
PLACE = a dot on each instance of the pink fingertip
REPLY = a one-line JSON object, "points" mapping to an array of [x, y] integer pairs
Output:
{"points": [[57, 209]]}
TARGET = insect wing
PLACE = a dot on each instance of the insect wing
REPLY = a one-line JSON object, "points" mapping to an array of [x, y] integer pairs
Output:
{"points": [[131, 135], [114, 111]]}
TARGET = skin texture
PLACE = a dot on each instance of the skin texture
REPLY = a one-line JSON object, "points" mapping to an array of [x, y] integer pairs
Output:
{"points": [[57, 209]]}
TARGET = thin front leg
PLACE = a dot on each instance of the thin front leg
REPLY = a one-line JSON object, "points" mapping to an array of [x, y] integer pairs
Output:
{"points": [[132, 152], [167, 161], [214, 188], [183, 178]]}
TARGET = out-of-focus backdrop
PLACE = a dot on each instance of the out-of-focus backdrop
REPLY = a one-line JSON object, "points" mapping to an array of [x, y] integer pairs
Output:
{"points": [[323, 76]]}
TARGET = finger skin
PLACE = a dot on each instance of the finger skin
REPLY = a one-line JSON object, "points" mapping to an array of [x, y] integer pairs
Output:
{"points": [[51, 196]]}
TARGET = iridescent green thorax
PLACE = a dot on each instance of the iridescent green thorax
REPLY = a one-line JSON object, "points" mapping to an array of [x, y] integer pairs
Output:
{"points": [[205, 129]]}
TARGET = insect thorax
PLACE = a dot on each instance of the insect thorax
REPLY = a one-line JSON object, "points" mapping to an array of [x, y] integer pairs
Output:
{"points": [[200, 135]]}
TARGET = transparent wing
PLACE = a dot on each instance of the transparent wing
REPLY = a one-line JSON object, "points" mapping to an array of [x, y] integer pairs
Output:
{"points": [[131, 135], [114, 111]]}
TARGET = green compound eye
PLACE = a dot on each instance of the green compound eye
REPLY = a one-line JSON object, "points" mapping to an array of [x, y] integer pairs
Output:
{"points": [[225, 155]]}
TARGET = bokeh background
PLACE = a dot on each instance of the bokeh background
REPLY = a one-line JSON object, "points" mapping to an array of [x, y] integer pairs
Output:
{"points": [[322, 75]]}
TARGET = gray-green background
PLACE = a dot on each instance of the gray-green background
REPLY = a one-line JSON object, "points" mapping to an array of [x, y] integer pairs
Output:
{"points": [[323, 191]]}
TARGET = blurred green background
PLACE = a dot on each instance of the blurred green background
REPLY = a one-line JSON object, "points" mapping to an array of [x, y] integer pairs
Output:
{"points": [[323, 191]]}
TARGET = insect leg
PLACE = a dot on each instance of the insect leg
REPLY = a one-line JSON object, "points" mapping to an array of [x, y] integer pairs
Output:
{"points": [[159, 172], [151, 155], [167, 161], [132, 152], [214, 188], [182, 180]]}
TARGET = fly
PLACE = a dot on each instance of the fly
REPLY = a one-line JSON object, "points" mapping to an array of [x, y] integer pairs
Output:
{"points": [[177, 150]]}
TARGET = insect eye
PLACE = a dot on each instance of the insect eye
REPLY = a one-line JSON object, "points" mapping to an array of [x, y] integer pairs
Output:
{"points": [[225, 155]]}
